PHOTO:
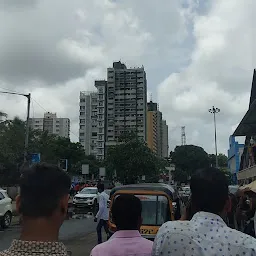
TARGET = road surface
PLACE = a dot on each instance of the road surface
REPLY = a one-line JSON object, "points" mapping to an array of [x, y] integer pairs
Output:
{"points": [[72, 230]]}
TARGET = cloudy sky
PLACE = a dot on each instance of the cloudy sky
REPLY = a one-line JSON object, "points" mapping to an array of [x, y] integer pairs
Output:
{"points": [[197, 53]]}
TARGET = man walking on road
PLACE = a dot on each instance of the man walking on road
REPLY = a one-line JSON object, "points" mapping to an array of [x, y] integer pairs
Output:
{"points": [[126, 241], [42, 204], [103, 212]]}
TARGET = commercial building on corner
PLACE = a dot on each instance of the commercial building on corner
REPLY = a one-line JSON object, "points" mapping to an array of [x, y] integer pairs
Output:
{"points": [[247, 127]]}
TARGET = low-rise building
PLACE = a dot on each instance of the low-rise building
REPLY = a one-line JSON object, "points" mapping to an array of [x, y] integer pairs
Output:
{"points": [[51, 123]]}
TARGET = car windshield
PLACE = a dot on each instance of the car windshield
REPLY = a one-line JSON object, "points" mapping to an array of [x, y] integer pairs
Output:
{"points": [[88, 191]]}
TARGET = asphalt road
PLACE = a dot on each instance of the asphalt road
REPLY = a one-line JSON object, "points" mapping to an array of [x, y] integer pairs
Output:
{"points": [[71, 231]]}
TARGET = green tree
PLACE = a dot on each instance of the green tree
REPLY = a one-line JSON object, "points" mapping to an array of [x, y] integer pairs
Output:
{"points": [[187, 160], [52, 149], [222, 160], [131, 159]]}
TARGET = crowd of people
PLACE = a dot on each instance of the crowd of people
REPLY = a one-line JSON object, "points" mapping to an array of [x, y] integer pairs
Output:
{"points": [[43, 202]]}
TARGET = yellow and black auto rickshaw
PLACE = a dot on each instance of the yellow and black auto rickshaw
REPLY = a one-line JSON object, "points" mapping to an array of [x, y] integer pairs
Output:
{"points": [[160, 203]]}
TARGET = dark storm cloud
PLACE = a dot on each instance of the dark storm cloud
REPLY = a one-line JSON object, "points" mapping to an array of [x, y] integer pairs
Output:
{"points": [[24, 63]]}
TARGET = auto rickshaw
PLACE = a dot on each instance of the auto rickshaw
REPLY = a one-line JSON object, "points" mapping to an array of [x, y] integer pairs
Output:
{"points": [[160, 203]]}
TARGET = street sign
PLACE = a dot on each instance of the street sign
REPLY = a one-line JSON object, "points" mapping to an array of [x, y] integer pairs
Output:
{"points": [[102, 171], [63, 164], [85, 169], [35, 158]]}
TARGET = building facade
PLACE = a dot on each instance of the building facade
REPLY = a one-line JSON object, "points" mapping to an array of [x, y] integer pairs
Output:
{"points": [[92, 121], [118, 106], [165, 139], [126, 102], [157, 130], [51, 123], [234, 157]]}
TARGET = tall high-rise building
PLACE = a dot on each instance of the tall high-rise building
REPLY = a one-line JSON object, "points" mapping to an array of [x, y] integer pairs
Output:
{"points": [[118, 106], [165, 139], [92, 120], [157, 130], [152, 126], [126, 102], [51, 123]]}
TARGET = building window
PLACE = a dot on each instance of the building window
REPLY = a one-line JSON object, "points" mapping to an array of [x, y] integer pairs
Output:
{"points": [[82, 107], [82, 126], [101, 90], [100, 137], [82, 100], [81, 134], [82, 121], [100, 130], [82, 113], [94, 134]]}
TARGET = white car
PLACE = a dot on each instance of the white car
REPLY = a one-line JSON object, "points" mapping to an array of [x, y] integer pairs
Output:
{"points": [[87, 197], [5, 209]]}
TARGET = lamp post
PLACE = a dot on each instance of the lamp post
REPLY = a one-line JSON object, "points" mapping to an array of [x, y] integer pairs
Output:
{"points": [[28, 96], [215, 111]]}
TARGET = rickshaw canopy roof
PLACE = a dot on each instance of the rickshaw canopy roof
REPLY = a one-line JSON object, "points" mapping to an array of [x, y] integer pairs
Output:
{"points": [[161, 187]]}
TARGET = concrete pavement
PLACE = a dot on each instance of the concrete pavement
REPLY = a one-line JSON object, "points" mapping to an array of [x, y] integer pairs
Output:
{"points": [[83, 245]]}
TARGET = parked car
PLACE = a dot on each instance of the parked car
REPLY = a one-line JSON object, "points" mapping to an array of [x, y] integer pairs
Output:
{"points": [[87, 197], [5, 209]]}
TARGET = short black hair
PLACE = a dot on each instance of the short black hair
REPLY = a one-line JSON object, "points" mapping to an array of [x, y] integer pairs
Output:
{"points": [[101, 186], [126, 211], [41, 188], [209, 190]]}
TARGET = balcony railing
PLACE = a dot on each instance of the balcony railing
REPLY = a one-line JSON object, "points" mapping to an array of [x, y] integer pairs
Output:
{"points": [[248, 173]]}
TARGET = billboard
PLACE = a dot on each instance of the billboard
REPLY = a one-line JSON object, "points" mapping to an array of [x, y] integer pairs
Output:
{"points": [[85, 169]]}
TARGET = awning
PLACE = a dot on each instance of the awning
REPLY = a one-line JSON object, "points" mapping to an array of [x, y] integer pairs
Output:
{"points": [[247, 126]]}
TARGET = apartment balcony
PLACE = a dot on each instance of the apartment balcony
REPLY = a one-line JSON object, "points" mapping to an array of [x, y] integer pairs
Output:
{"points": [[248, 173]]}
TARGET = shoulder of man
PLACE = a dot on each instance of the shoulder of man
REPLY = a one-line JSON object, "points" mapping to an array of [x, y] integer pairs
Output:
{"points": [[245, 241], [99, 249], [173, 226]]}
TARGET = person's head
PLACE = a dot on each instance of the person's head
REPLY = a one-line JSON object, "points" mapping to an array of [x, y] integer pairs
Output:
{"points": [[44, 194], [209, 191], [101, 187], [126, 212]]}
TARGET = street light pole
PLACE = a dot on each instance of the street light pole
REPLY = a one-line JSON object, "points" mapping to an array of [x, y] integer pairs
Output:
{"points": [[214, 111], [27, 128], [28, 96]]}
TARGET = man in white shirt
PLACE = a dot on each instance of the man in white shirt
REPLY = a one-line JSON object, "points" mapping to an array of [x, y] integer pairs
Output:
{"points": [[103, 213], [206, 233]]}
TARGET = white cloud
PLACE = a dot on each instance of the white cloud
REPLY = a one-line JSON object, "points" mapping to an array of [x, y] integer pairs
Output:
{"points": [[219, 73], [196, 55]]}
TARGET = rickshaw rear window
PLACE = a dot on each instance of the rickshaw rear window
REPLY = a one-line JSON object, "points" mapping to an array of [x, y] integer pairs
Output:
{"points": [[155, 209]]}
